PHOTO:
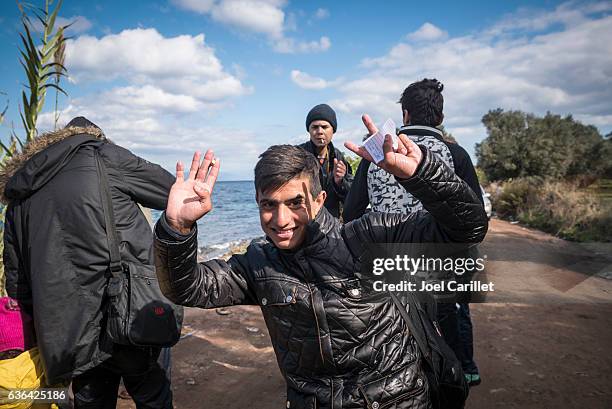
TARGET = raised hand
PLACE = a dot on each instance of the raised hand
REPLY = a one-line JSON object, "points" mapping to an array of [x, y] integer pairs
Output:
{"points": [[401, 162], [191, 199], [339, 171]]}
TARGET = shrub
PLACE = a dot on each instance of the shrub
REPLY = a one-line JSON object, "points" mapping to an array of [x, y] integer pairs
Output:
{"points": [[560, 208], [482, 176], [353, 160], [511, 197]]}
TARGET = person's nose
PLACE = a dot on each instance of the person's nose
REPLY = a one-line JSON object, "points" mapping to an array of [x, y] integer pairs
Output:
{"points": [[283, 216]]}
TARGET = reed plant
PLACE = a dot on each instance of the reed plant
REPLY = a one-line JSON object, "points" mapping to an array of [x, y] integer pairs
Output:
{"points": [[42, 59]]}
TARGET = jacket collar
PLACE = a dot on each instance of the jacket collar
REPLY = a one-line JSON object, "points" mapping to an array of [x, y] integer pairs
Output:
{"points": [[316, 231], [319, 227], [309, 146], [421, 130]]}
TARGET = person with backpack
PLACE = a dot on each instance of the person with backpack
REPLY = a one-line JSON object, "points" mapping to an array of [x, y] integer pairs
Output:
{"points": [[57, 258], [422, 106], [338, 342]]}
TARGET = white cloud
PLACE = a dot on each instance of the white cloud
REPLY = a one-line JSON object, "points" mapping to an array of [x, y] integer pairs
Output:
{"points": [[321, 14], [427, 32], [306, 81], [291, 46], [259, 16], [161, 137], [181, 65], [199, 6], [173, 85], [141, 51], [151, 99], [567, 69], [567, 14]]}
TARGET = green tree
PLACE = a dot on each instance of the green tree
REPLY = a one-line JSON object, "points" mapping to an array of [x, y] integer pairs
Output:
{"points": [[500, 154], [353, 160], [520, 144]]}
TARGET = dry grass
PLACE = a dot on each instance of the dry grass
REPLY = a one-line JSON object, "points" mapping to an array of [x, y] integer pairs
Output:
{"points": [[557, 207]]}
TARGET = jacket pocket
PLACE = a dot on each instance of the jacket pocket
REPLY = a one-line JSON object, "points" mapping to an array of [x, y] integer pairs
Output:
{"points": [[400, 385], [281, 296], [297, 400]]}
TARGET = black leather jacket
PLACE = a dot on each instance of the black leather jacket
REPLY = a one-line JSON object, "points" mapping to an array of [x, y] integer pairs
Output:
{"points": [[338, 343]]}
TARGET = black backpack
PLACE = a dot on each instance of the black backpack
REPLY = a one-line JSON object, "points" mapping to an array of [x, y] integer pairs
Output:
{"points": [[447, 384]]}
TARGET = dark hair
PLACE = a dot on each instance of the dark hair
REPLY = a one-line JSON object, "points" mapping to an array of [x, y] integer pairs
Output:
{"points": [[424, 102], [281, 163]]}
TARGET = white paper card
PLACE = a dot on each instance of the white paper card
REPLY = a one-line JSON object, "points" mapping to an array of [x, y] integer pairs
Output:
{"points": [[374, 144]]}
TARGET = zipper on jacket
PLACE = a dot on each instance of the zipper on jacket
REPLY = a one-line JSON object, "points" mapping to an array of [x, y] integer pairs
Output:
{"points": [[314, 312]]}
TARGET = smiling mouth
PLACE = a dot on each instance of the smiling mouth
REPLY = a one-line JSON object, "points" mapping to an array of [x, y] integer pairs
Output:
{"points": [[284, 233]]}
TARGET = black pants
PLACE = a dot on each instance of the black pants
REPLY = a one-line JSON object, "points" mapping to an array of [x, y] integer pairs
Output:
{"points": [[467, 340], [143, 378], [448, 319]]}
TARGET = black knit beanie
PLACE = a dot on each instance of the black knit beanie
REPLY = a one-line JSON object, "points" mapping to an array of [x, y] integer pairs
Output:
{"points": [[322, 112]]}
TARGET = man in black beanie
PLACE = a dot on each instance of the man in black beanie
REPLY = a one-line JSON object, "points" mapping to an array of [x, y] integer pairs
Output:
{"points": [[336, 174]]}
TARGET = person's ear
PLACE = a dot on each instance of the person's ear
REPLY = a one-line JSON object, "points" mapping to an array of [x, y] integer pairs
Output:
{"points": [[320, 200], [406, 117]]}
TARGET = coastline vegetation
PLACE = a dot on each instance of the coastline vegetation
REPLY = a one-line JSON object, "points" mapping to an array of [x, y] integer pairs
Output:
{"points": [[552, 173], [558, 207]]}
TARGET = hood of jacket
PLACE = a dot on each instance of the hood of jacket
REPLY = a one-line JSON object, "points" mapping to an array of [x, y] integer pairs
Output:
{"points": [[41, 158]]}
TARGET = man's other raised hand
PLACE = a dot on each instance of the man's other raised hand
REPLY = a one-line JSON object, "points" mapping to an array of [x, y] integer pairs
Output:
{"points": [[190, 198], [401, 162]]}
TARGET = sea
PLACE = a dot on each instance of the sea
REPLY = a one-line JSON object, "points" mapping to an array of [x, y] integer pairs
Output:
{"points": [[233, 220]]}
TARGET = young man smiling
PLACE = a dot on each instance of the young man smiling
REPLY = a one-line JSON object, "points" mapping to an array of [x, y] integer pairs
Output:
{"points": [[338, 343]]}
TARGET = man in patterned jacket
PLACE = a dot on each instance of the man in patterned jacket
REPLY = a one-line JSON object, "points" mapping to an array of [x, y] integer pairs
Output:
{"points": [[422, 111]]}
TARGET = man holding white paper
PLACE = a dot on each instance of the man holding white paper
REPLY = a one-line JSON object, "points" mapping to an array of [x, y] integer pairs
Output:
{"points": [[422, 106], [374, 143]]}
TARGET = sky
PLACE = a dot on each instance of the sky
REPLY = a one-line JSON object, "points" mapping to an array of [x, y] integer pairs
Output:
{"points": [[164, 78]]}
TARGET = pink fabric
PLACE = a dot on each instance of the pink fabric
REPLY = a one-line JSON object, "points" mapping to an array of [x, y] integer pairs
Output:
{"points": [[15, 326]]}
